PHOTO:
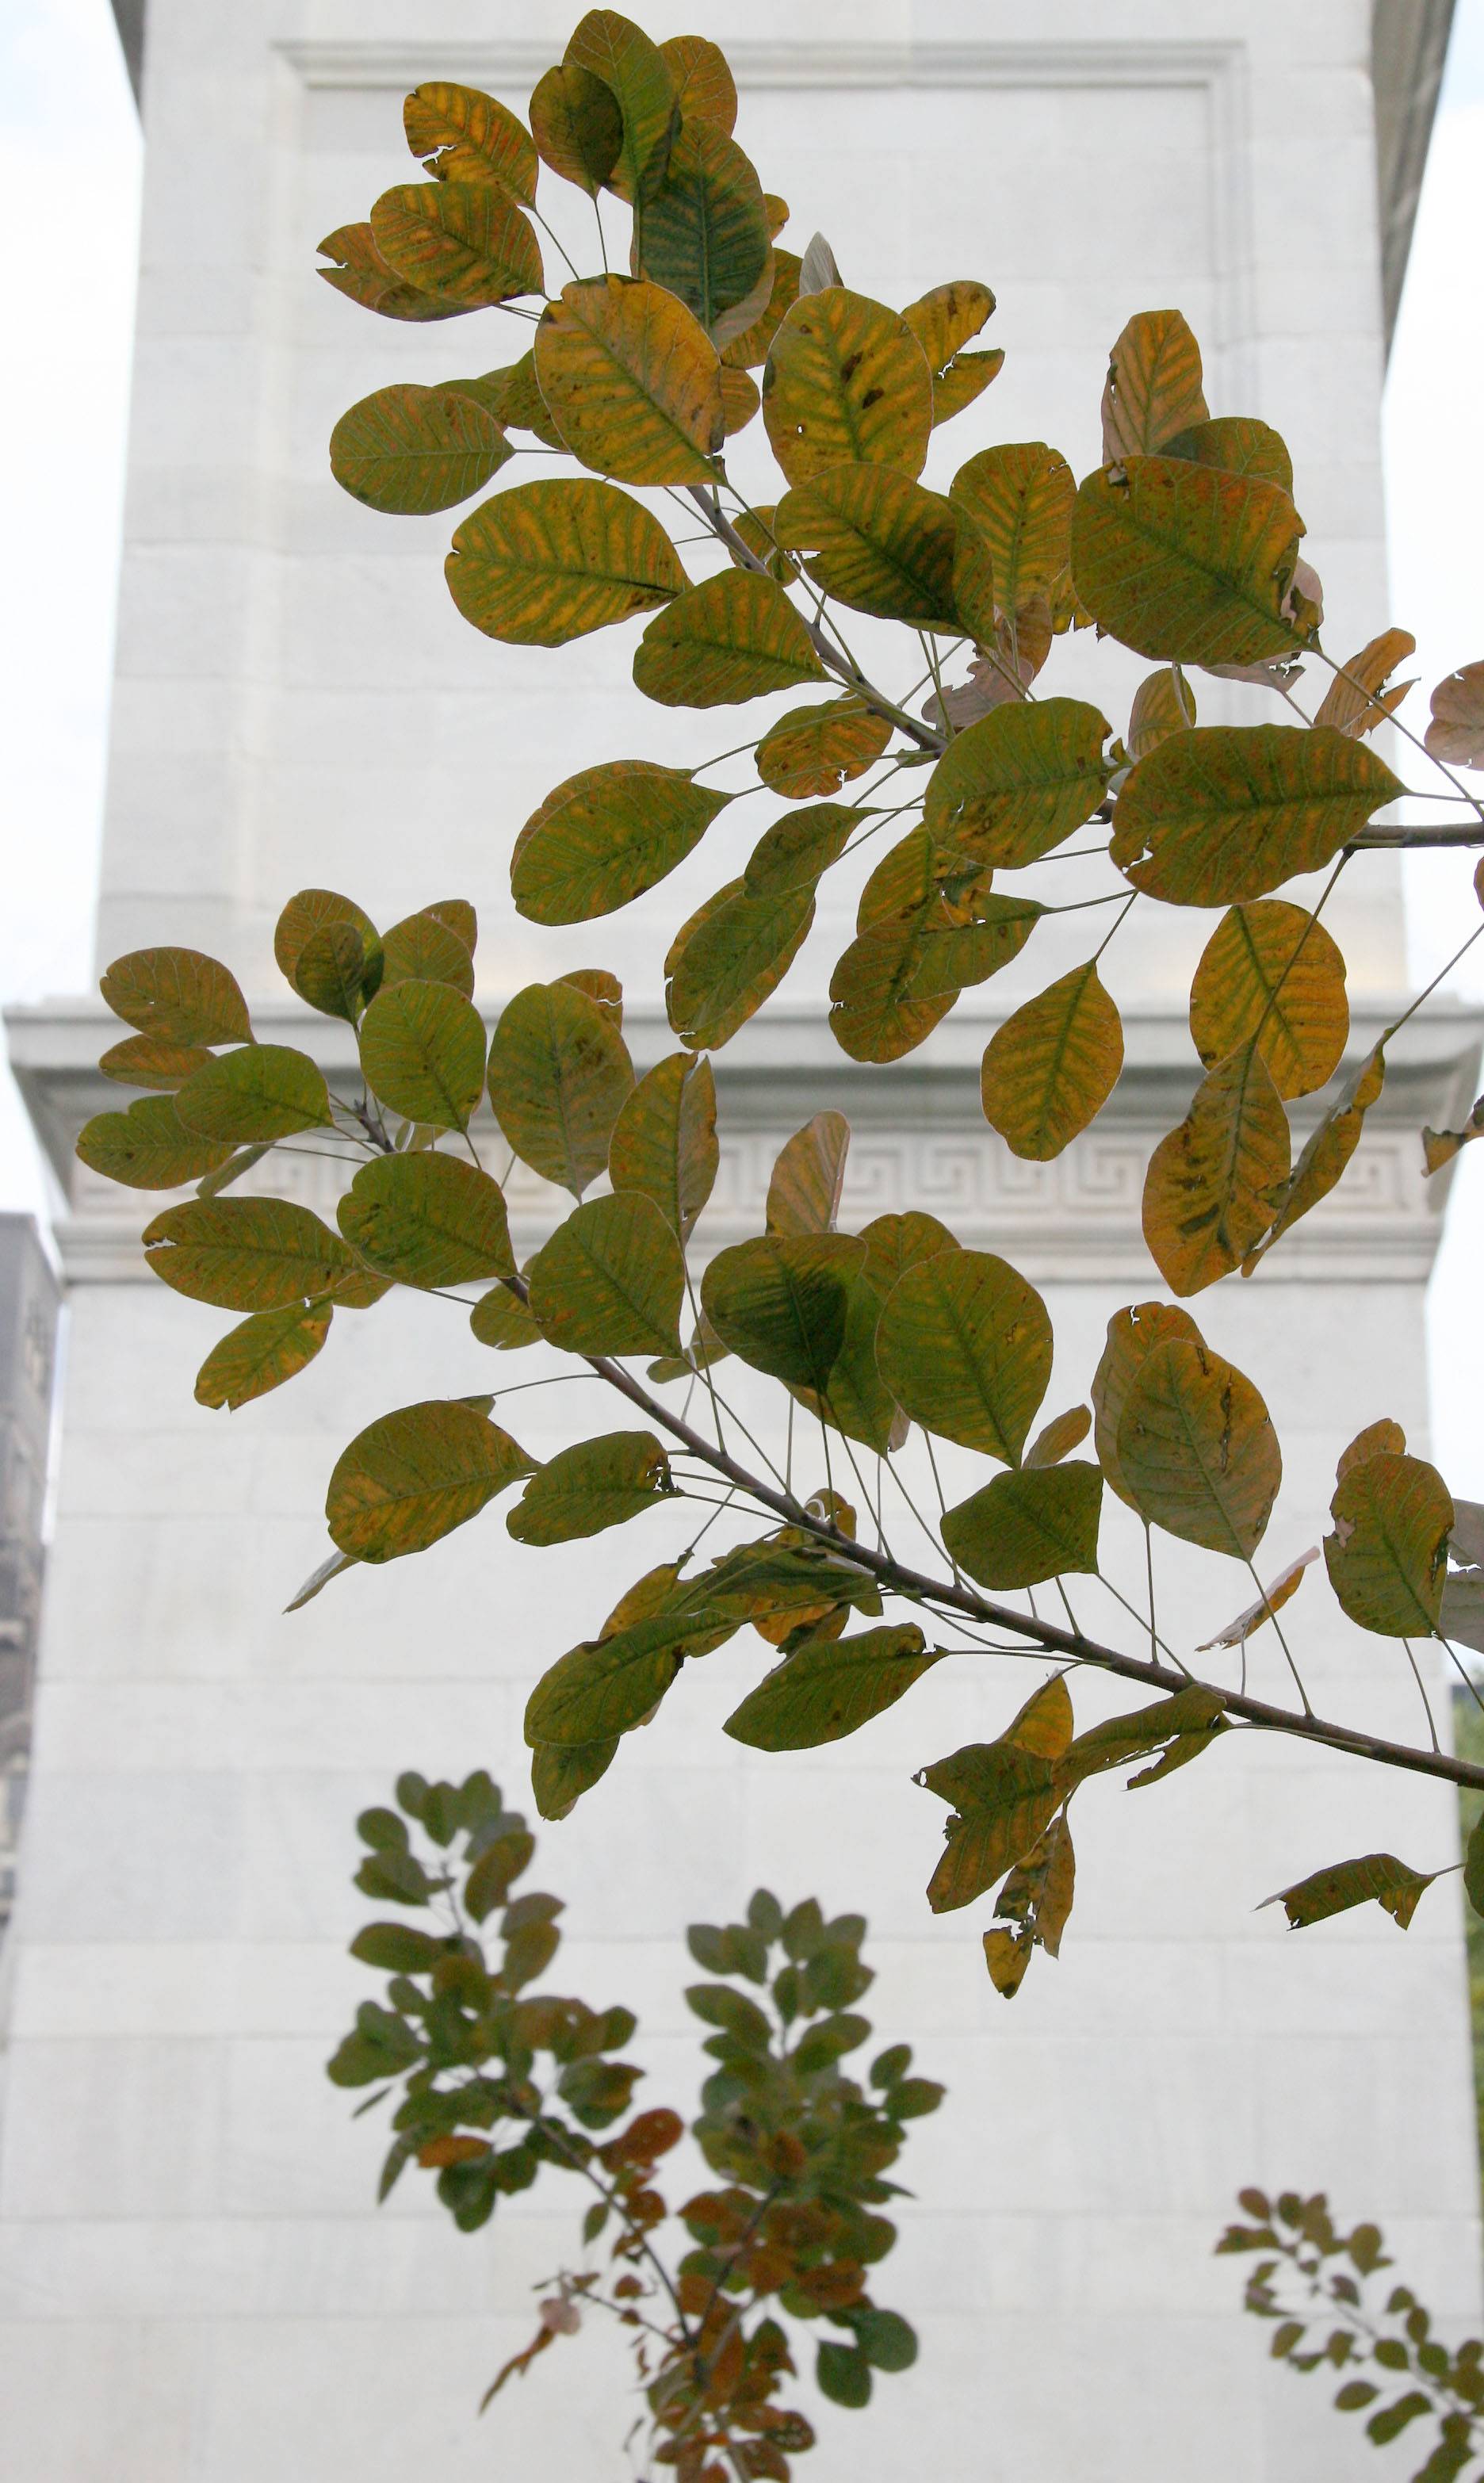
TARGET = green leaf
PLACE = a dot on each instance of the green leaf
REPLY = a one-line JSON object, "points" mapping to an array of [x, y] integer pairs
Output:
{"points": [[610, 1280], [1020, 1528], [265, 1091], [1214, 1184], [831, 1686], [1018, 500], [1132, 1335], [797, 850], [549, 562], [1271, 975], [846, 383], [148, 1060], [964, 1347], [820, 749], [803, 1190], [422, 1052], [704, 234], [613, 48], [877, 541], [427, 1220], [590, 1487], [149, 1147], [1196, 1453], [1186, 563], [1239, 445], [1052, 1065], [736, 637], [1377, 1878], [1474, 1866], [606, 1686], [1003, 1798], [465, 243], [1387, 1556], [425, 948], [247, 1254], [1227, 811], [410, 450], [177, 995], [364, 276], [1193, 1715], [886, 2339], [735, 951], [502, 1320], [903, 973], [328, 950], [631, 380], [779, 1303], [559, 1076], [413, 1476], [1017, 784], [843, 2374], [460, 134], [261, 1354], [397, 1948], [605, 835], [561, 1776], [664, 1142], [578, 127]]}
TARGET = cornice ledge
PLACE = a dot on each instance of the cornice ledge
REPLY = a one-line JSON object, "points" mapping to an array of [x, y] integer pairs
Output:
{"points": [[1044, 61]]}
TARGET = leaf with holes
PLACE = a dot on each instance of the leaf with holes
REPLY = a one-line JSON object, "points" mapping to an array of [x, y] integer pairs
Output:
{"points": [[428, 1220], [846, 383], [1154, 386], [1020, 1528], [1037, 1897], [1196, 1453], [1185, 563], [610, 1280], [1213, 1184], [549, 562], [943, 321], [558, 1077], [631, 380], [605, 835], [422, 1052], [1271, 975], [877, 541], [779, 1303], [413, 1476], [362, 275], [1227, 811], [1003, 1798], [820, 749], [465, 243], [664, 1142], [1377, 1879], [964, 1347], [590, 1487], [265, 1090], [1357, 699], [1387, 1556], [736, 637], [829, 1688], [1050, 1068], [247, 1254], [410, 450], [458, 134], [262, 1352], [1019, 783]]}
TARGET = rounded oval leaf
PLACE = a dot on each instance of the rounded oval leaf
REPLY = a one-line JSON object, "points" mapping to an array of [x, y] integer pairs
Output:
{"points": [[610, 1280], [736, 637], [149, 1147], [1227, 811], [549, 562], [664, 1142], [704, 234], [1214, 1184], [731, 953], [559, 1076], [465, 243], [831, 1686], [577, 125], [1018, 782], [427, 1220], [265, 1090], [1196, 1453], [179, 995], [1132, 1335], [1387, 1556], [416, 1475], [1154, 385], [877, 541], [1050, 1068], [148, 1060], [1271, 975], [364, 276], [261, 1354], [1186, 563], [846, 383], [425, 948], [422, 1051], [247, 1254], [460, 134], [1024, 1527], [590, 1487], [502, 1320], [1018, 500], [605, 835], [779, 1303], [819, 749], [327, 949], [964, 1347], [412, 450], [631, 380]]}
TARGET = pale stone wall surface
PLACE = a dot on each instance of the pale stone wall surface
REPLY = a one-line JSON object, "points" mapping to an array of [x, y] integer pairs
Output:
{"points": [[193, 2287]]}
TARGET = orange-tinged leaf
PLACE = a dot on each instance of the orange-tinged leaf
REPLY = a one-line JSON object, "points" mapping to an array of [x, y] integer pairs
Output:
{"points": [[943, 321], [877, 541], [1132, 1335], [1153, 389], [1357, 699], [1019, 783], [964, 1347], [740, 399], [558, 1077], [704, 88], [663, 1141], [1385, 1438], [1271, 975], [422, 1051], [1037, 1897], [631, 380], [1441, 1146], [247, 1254], [465, 243], [1228, 811], [1052, 1065], [261, 1354], [1212, 1185], [1457, 732], [179, 995], [1162, 705], [846, 383], [1057, 1438], [734, 638], [605, 835], [1186, 563], [413, 1476], [804, 1193], [1271, 1600], [411, 450], [1377, 1878], [1003, 1798], [150, 1060], [549, 562], [1387, 1556], [820, 749], [1196, 1453], [1326, 1154], [458, 134], [1239, 445], [1018, 500], [364, 276]]}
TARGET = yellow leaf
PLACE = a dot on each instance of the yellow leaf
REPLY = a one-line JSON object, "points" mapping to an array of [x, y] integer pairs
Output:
{"points": [[1439, 1146], [1387, 1556], [457, 134], [605, 835], [262, 1352], [150, 1060], [880, 541], [631, 380], [820, 749], [964, 1347], [1186, 563], [1271, 975], [1357, 701], [549, 562], [943, 322], [465, 243], [1154, 386], [422, 1051], [412, 450], [1214, 1183], [1162, 705], [1385, 1438], [413, 1476], [1132, 1335], [364, 276], [1392, 1885], [1019, 500], [1329, 1149], [1239, 445], [1059, 1437], [1196, 1449], [704, 88], [804, 1192], [177, 995], [1018, 782], [846, 383], [740, 399], [1052, 1065], [558, 1077], [247, 1254], [1227, 811], [664, 1142], [734, 638], [1272, 1599]]}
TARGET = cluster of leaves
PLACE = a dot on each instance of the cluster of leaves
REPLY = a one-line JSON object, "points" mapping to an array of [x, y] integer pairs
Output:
{"points": [[1303, 2284], [472, 2052], [1184, 546]]}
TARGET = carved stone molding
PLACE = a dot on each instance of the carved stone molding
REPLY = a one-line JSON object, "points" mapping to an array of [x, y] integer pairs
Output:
{"points": [[919, 1141]]}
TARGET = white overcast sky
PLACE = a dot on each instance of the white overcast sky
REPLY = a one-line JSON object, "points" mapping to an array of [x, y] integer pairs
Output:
{"points": [[68, 133]]}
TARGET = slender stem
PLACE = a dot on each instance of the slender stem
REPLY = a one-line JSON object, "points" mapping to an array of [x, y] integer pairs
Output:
{"points": [[1421, 1692]]}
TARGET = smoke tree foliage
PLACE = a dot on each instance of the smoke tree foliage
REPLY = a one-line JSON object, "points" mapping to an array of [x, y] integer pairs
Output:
{"points": [[1328, 2320], [497, 2082], [969, 779]]}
